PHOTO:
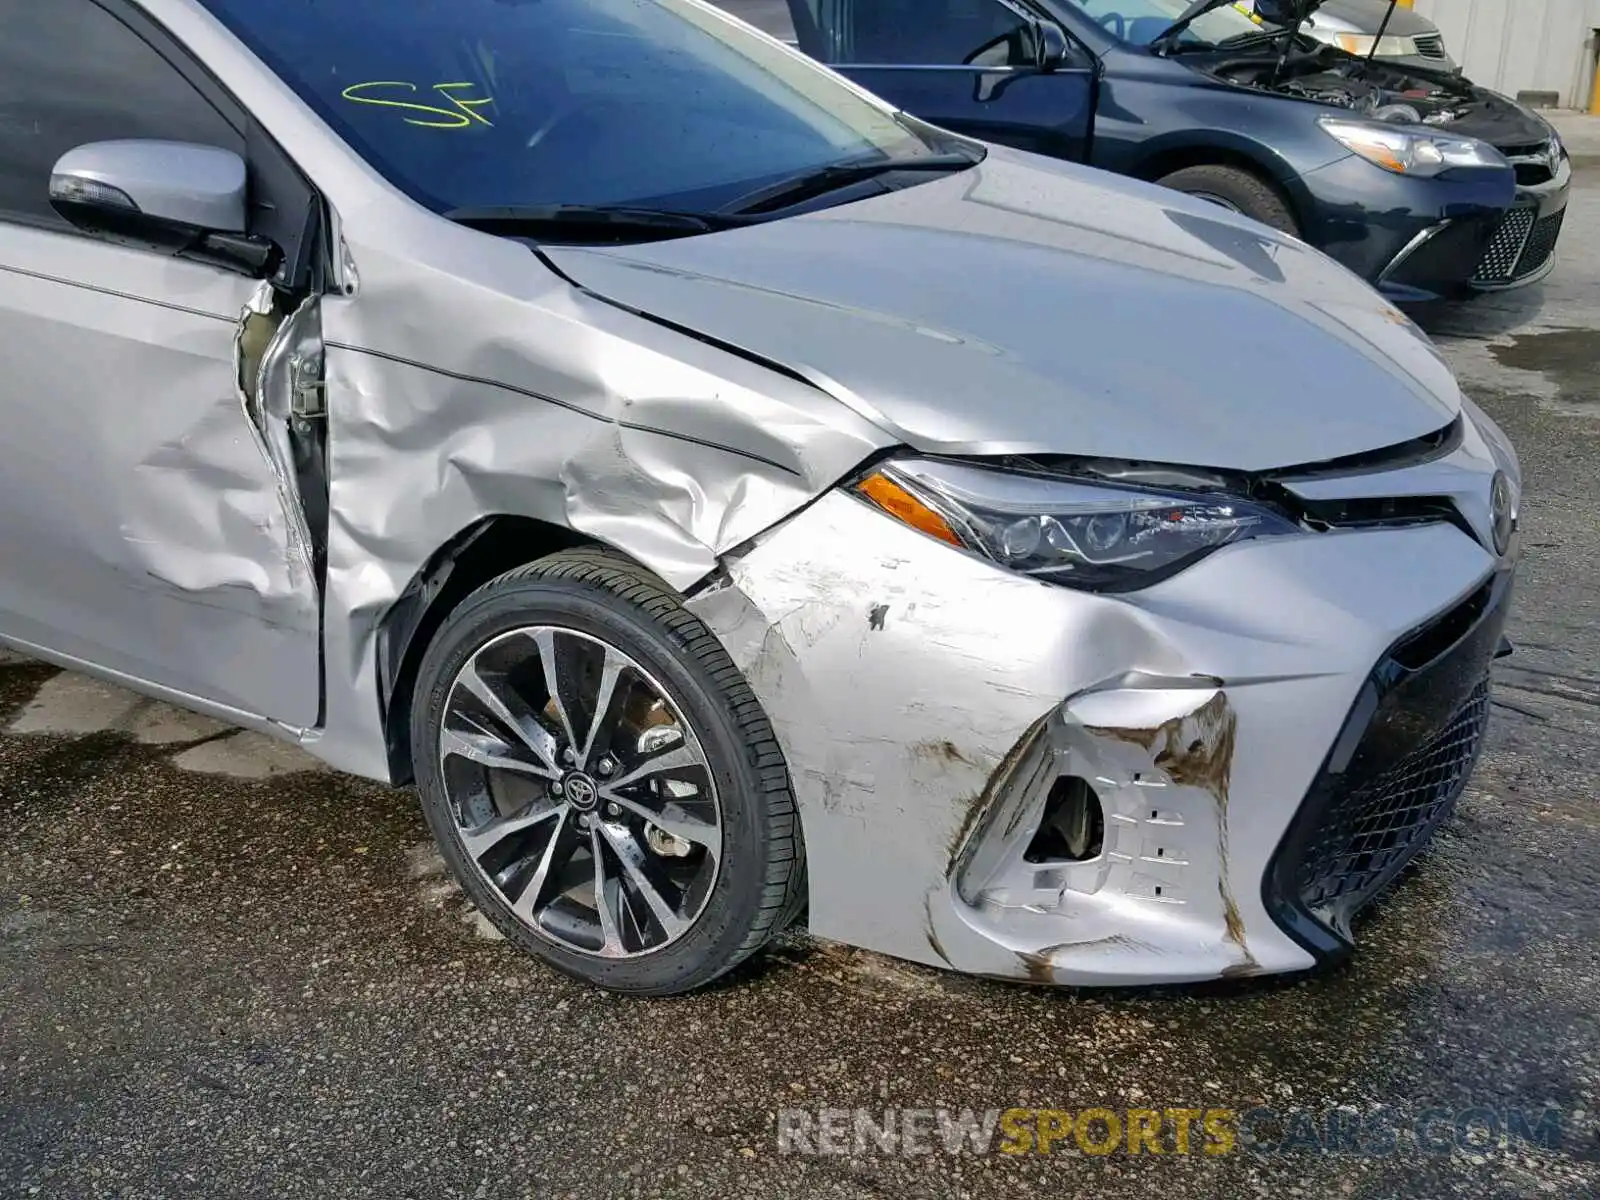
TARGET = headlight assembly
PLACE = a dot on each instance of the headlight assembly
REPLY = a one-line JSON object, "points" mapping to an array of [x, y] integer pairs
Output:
{"points": [[1405, 152], [1360, 44], [1084, 535]]}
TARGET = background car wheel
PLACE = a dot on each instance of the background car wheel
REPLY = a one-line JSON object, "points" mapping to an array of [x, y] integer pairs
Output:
{"points": [[601, 779], [1237, 190]]}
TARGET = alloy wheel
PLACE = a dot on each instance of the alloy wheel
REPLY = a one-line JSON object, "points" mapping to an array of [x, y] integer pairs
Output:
{"points": [[580, 792]]}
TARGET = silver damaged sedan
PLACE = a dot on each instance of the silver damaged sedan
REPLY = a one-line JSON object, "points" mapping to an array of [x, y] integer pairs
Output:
{"points": [[731, 501]]}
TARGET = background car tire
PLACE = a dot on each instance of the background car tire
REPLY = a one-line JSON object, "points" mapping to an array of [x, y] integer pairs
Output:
{"points": [[1237, 189], [760, 881]]}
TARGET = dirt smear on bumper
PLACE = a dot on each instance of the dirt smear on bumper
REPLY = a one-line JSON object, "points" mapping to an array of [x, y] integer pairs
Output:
{"points": [[1196, 750]]}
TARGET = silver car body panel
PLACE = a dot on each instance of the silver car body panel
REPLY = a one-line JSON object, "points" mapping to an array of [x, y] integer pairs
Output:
{"points": [[1027, 270], [898, 712], [201, 186], [465, 380], [694, 404], [558, 407], [143, 510]]}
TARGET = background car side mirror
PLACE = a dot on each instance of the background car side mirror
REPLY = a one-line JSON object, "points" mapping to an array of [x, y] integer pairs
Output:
{"points": [[1051, 43], [176, 197]]}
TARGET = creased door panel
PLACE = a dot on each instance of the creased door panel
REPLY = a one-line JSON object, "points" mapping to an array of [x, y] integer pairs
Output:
{"points": [[142, 527]]}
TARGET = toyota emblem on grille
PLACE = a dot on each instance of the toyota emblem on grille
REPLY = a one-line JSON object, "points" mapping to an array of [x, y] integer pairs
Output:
{"points": [[1503, 509]]}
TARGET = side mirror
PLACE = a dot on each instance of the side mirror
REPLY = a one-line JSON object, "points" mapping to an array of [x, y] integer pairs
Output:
{"points": [[1051, 42], [176, 197]]}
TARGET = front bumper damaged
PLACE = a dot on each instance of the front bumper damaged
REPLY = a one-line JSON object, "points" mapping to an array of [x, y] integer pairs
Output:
{"points": [[931, 705]]}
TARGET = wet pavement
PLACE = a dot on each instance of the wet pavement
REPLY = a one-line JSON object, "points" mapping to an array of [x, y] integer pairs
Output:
{"points": [[226, 973]]}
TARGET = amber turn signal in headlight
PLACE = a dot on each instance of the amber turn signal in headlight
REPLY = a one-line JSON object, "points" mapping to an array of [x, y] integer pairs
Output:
{"points": [[1071, 531], [897, 502]]}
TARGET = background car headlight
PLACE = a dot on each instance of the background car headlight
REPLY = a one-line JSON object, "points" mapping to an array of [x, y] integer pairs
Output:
{"points": [[1410, 153], [1081, 534], [1360, 44]]}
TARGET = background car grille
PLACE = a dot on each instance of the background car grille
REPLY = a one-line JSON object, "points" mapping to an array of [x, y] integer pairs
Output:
{"points": [[1499, 261], [1368, 833], [1532, 174], [1534, 162], [1541, 243], [1430, 45]]}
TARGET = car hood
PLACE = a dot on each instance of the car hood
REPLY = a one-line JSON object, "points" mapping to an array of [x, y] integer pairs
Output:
{"points": [[1366, 16], [1501, 121], [1029, 306]]}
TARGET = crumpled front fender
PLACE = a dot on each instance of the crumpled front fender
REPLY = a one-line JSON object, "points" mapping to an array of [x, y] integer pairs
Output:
{"points": [[487, 385]]}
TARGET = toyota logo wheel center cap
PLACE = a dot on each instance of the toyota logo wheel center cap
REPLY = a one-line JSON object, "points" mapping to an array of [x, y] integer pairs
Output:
{"points": [[580, 791]]}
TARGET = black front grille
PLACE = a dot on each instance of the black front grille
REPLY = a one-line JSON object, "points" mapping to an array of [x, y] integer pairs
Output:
{"points": [[1532, 174], [1524, 149], [1541, 243], [1499, 261], [1393, 775], [1369, 833], [1535, 163], [1430, 45]]}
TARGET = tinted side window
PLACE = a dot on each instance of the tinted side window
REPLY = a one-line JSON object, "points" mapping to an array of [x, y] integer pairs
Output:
{"points": [[72, 73], [943, 33]]}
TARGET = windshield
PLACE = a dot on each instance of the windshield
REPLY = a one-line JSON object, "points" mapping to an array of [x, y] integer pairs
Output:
{"points": [[472, 104], [1142, 21]]}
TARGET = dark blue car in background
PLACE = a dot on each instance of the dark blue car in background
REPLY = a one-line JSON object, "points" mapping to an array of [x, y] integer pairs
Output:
{"points": [[1421, 182]]}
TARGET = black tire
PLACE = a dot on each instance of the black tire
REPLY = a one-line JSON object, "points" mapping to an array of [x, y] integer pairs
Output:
{"points": [[1237, 189], [761, 880]]}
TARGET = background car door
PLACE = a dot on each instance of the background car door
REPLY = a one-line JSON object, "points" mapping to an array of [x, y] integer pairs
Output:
{"points": [[968, 65], [143, 528]]}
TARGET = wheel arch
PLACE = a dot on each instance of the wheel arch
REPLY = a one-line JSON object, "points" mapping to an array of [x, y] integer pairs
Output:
{"points": [[1162, 158], [487, 548]]}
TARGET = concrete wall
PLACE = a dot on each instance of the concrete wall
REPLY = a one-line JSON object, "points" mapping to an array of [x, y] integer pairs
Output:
{"points": [[1522, 45]]}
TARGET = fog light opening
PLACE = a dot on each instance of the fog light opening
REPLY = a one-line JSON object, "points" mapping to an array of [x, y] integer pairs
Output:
{"points": [[1073, 828]]}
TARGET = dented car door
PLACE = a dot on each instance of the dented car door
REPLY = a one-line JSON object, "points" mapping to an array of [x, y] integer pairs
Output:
{"points": [[151, 516]]}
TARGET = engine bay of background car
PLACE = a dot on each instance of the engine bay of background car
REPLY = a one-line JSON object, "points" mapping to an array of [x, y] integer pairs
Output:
{"points": [[1378, 91]]}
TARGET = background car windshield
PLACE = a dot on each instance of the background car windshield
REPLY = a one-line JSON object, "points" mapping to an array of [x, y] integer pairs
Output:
{"points": [[484, 103], [1142, 21]]}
